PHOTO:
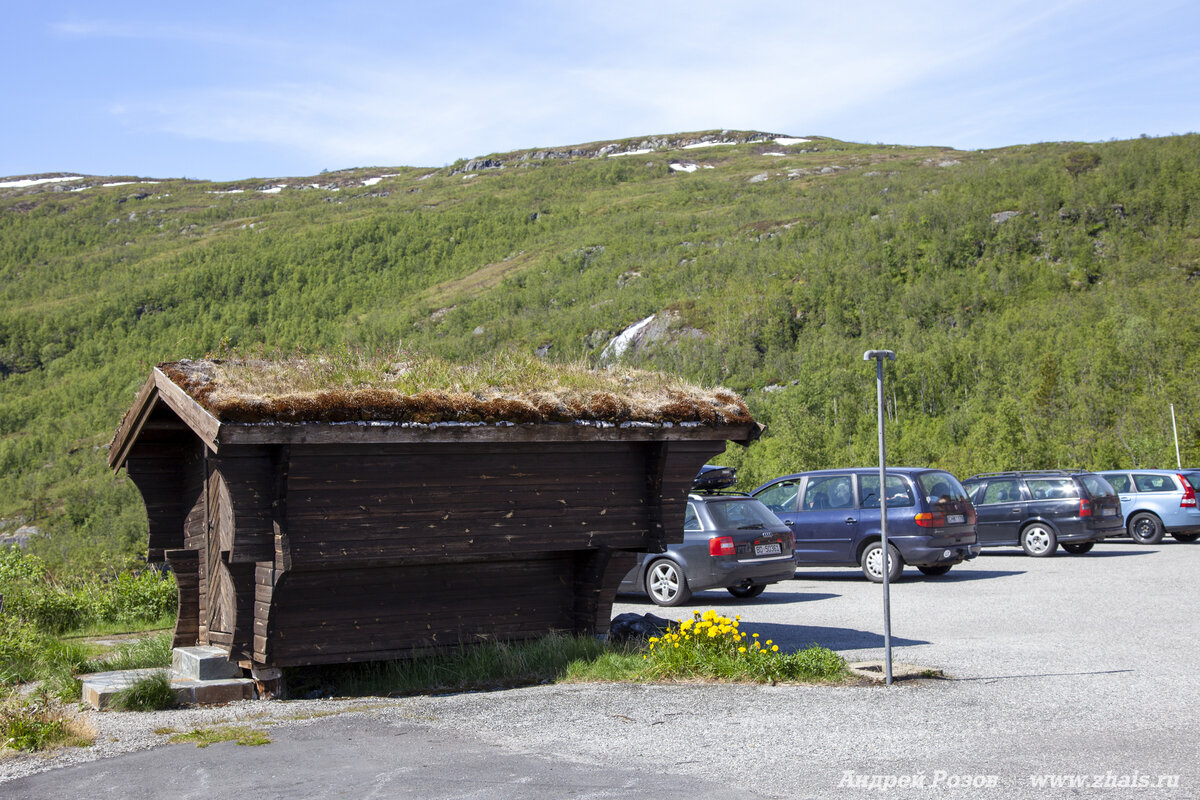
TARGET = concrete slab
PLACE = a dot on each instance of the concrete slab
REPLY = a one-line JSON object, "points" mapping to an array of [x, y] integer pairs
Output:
{"points": [[877, 671], [203, 664], [99, 688]]}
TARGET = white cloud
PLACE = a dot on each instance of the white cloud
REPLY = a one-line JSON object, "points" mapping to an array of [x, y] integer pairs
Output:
{"points": [[587, 73]]}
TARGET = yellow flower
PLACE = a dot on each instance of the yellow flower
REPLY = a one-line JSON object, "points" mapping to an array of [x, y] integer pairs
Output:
{"points": [[740, 650], [709, 615], [755, 635], [775, 648], [653, 639]]}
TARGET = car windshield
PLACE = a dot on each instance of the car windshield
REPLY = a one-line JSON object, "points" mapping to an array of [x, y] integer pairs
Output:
{"points": [[1096, 485], [741, 513], [941, 487]]}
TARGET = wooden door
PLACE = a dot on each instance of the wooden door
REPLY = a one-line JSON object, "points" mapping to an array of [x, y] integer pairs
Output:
{"points": [[220, 610]]}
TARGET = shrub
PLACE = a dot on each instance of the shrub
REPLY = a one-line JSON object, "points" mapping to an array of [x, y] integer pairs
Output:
{"points": [[56, 606], [147, 595], [34, 724], [27, 653]]}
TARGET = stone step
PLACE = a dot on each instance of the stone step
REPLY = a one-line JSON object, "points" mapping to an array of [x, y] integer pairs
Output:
{"points": [[203, 664], [99, 688]]}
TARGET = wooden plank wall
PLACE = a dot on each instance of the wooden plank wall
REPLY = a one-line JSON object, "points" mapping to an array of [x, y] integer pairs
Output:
{"points": [[387, 612], [395, 547], [310, 554]]}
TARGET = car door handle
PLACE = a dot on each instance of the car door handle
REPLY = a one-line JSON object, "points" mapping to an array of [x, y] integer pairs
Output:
{"points": [[1016, 511], [788, 522], [850, 520], [1126, 499]]}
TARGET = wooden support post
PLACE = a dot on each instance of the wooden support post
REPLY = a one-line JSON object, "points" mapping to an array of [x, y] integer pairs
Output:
{"points": [[186, 566]]}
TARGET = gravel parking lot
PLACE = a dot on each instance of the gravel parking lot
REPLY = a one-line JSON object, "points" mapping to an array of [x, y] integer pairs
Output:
{"points": [[1071, 676]]}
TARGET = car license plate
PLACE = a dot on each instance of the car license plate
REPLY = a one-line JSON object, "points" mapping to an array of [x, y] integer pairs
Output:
{"points": [[1108, 512], [956, 519], [768, 549]]}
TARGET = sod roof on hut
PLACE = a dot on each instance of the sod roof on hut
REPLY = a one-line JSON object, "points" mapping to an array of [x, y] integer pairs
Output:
{"points": [[224, 399], [430, 390]]}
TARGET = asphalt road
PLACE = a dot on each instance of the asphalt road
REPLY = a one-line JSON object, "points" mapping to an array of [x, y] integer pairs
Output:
{"points": [[1071, 677]]}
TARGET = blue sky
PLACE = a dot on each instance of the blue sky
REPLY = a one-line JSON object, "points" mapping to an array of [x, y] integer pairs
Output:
{"points": [[223, 91]]}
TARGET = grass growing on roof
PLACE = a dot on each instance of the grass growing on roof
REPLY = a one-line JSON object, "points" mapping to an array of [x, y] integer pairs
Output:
{"points": [[410, 387]]}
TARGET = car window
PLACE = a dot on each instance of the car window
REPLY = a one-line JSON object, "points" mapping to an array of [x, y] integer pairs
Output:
{"points": [[1119, 482], [1097, 485], [1052, 488], [1193, 478], [1003, 490], [898, 493], [828, 491], [780, 497], [741, 513], [691, 522], [1154, 483], [941, 487]]}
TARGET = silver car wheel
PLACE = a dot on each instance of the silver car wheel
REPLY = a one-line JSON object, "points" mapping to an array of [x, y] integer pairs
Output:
{"points": [[666, 583], [1038, 540]]}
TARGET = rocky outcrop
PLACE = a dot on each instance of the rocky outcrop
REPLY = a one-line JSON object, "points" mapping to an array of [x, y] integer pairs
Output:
{"points": [[655, 329], [624, 147]]}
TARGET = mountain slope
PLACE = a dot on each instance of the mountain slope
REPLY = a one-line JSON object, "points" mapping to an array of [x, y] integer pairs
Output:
{"points": [[1041, 298]]}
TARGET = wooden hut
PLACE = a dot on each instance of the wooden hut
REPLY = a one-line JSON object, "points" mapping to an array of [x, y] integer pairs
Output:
{"points": [[316, 513]]}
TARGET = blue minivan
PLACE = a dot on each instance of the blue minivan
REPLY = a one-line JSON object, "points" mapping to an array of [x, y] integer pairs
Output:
{"points": [[835, 520]]}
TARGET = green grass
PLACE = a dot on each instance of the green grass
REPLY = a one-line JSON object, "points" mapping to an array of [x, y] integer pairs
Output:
{"points": [[568, 659], [242, 735], [490, 665], [152, 692]]}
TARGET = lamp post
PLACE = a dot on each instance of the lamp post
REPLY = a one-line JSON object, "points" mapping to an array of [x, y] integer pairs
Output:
{"points": [[1175, 433], [879, 356]]}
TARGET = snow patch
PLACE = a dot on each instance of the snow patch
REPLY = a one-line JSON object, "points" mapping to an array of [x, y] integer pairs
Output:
{"points": [[621, 342], [373, 181], [226, 191], [632, 153], [787, 140], [675, 166], [22, 183], [274, 189], [774, 154], [706, 144]]}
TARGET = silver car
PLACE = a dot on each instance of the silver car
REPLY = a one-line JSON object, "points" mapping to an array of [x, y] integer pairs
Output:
{"points": [[1158, 501], [730, 541]]}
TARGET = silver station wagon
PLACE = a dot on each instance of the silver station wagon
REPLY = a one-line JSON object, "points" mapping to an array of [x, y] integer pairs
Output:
{"points": [[1158, 501]]}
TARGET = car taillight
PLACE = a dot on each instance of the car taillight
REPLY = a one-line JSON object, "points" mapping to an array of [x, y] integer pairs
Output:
{"points": [[1085, 507], [721, 546], [934, 519], [1189, 495]]}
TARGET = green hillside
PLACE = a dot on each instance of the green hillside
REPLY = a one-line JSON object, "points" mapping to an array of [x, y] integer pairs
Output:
{"points": [[1042, 299]]}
